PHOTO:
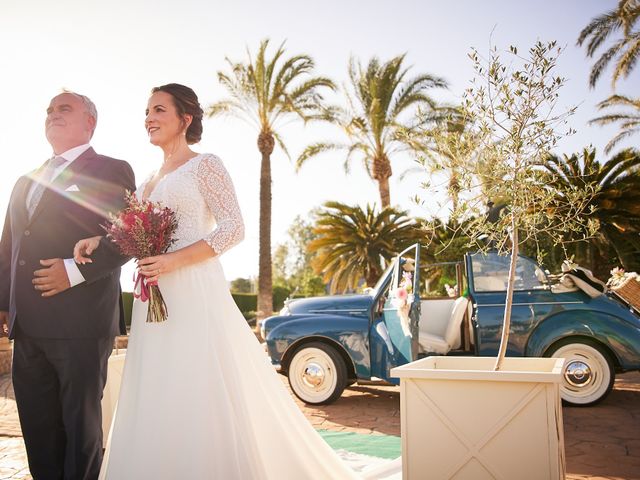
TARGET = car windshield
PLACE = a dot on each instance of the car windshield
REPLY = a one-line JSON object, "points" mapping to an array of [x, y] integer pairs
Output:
{"points": [[491, 273]]}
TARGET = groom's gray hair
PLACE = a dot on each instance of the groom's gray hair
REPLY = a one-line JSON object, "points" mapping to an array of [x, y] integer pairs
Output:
{"points": [[88, 104]]}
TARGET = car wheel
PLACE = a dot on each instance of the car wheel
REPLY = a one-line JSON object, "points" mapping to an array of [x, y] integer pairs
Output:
{"points": [[587, 374], [317, 373]]}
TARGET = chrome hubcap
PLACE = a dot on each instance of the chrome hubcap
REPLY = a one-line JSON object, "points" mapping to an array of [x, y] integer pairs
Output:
{"points": [[313, 375], [578, 374]]}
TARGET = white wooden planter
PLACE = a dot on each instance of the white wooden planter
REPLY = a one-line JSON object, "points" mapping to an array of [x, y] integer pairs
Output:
{"points": [[462, 420]]}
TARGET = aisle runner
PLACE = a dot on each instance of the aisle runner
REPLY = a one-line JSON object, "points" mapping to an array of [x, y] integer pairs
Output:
{"points": [[362, 452], [382, 446]]}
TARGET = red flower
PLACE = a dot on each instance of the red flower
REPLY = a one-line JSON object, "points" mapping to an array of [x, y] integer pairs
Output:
{"points": [[128, 220]]}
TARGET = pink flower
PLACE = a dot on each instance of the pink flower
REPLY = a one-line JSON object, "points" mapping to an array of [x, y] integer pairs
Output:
{"points": [[407, 281], [401, 293]]}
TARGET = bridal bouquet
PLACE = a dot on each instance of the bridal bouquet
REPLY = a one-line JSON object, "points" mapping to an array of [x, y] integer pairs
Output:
{"points": [[144, 229]]}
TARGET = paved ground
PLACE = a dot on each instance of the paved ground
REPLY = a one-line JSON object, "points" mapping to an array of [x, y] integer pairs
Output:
{"points": [[601, 442]]}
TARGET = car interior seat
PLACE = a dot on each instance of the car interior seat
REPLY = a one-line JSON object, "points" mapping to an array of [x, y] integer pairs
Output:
{"points": [[442, 344]]}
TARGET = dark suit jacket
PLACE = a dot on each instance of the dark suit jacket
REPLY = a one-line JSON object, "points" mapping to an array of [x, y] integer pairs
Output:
{"points": [[65, 215]]}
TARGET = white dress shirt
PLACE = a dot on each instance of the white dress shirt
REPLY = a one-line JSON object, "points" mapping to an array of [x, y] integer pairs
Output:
{"points": [[73, 272]]}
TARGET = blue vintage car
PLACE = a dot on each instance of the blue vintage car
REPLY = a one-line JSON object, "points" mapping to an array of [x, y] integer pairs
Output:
{"points": [[324, 344]]}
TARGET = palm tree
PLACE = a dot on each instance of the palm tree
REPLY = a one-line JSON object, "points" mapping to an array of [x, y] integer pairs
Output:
{"points": [[448, 144], [377, 120], [624, 50], [266, 92], [351, 242], [616, 203], [629, 121]]}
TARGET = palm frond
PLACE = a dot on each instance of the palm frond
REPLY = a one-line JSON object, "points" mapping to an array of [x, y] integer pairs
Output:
{"points": [[622, 19], [316, 149], [233, 108], [619, 100], [620, 165], [413, 93], [611, 144], [292, 69], [628, 59], [599, 30], [629, 122], [305, 100], [353, 148], [614, 118], [603, 61], [223, 107], [281, 143], [270, 70]]}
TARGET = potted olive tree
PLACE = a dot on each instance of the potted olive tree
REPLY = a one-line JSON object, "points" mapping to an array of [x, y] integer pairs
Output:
{"points": [[486, 417]]}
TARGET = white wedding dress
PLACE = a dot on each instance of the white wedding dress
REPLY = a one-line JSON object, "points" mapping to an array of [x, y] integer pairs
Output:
{"points": [[199, 398]]}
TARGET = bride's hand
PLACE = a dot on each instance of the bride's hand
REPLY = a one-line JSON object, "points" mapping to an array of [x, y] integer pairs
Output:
{"points": [[84, 248], [153, 267]]}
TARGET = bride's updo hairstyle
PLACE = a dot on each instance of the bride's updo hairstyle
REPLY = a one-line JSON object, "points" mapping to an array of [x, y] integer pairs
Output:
{"points": [[186, 102]]}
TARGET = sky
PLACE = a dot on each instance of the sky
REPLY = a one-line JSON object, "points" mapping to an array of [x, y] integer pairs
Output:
{"points": [[115, 51]]}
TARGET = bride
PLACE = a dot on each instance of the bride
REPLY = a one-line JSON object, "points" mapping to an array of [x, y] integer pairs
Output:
{"points": [[199, 398]]}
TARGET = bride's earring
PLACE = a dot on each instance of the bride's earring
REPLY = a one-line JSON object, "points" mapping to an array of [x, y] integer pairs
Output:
{"points": [[187, 124]]}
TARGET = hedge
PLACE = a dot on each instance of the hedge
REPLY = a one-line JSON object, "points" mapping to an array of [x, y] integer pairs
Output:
{"points": [[127, 300], [246, 302]]}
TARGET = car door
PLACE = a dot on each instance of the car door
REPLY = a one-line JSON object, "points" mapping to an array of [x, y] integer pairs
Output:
{"points": [[488, 274], [397, 326]]}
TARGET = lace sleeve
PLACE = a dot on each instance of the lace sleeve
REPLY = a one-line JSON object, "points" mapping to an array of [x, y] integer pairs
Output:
{"points": [[217, 189]]}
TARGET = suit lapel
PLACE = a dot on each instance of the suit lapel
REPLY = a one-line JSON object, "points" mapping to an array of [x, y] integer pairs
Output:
{"points": [[63, 181], [19, 206]]}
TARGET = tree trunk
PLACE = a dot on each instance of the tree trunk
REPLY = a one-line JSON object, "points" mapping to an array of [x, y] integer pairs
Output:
{"points": [[381, 172], [454, 190], [630, 260], [265, 282], [626, 251], [582, 255], [506, 324], [372, 278], [600, 267], [385, 194]]}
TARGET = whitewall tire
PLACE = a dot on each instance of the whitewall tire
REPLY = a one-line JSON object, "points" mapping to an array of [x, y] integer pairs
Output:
{"points": [[587, 375], [317, 373]]}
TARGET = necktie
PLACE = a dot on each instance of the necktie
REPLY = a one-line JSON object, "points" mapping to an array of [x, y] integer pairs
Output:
{"points": [[43, 180]]}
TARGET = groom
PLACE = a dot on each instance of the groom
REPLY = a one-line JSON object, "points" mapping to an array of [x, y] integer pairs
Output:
{"points": [[63, 317]]}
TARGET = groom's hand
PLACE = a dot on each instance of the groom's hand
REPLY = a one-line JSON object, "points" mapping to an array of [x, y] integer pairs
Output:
{"points": [[4, 324], [52, 279]]}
